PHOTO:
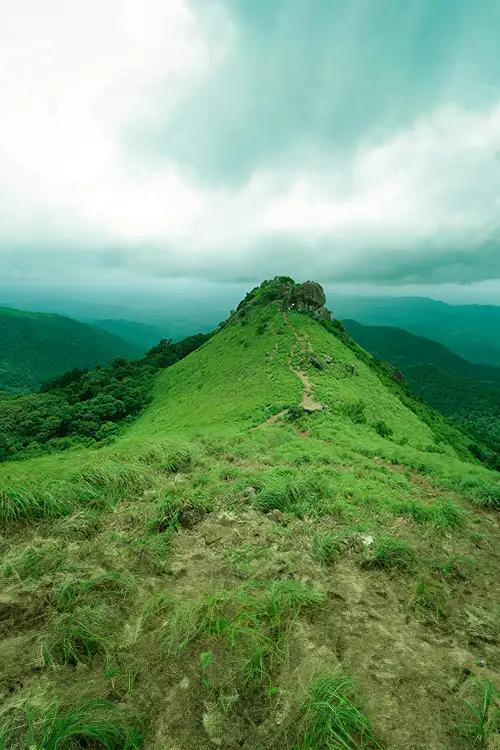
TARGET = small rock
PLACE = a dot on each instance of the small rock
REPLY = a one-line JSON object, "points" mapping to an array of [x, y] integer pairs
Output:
{"points": [[367, 540], [276, 515], [177, 569], [481, 662], [189, 517], [317, 363], [328, 360]]}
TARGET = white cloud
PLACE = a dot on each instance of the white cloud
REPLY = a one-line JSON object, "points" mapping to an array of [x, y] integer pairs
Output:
{"points": [[73, 76]]}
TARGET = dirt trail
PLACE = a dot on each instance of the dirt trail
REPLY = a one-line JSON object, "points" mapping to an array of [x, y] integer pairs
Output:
{"points": [[308, 402]]}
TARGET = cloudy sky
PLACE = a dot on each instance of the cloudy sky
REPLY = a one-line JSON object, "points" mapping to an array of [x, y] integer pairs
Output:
{"points": [[352, 141]]}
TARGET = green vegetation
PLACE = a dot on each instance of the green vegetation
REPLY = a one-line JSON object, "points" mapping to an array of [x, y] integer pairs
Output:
{"points": [[187, 584], [471, 331], [389, 554], [482, 720], [45, 725], [467, 393], [83, 406], [38, 346], [331, 718]]}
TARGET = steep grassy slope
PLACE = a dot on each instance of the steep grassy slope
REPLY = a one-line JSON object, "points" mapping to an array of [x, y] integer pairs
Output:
{"points": [[36, 346], [467, 393], [284, 552]]}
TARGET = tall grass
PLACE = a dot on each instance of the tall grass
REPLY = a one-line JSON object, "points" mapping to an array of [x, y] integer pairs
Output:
{"points": [[76, 637], [252, 621], [95, 724], [331, 719]]}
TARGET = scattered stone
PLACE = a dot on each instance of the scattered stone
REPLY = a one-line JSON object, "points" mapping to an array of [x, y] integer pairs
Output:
{"points": [[317, 363], [367, 540], [329, 360], [189, 517], [276, 515]]}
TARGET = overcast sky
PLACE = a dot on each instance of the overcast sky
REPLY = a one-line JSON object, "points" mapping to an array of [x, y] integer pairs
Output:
{"points": [[351, 141]]}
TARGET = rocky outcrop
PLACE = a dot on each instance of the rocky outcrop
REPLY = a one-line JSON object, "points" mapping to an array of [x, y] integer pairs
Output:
{"points": [[310, 297]]}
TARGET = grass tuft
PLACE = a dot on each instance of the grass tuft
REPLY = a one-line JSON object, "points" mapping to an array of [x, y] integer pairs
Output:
{"points": [[389, 554], [252, 621], [78, 636], [331, 719], [482, 719], [95, 724]]}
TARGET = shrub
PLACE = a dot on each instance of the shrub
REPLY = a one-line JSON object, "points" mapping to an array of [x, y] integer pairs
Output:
{"points": [[356, 411], [383, 429]]}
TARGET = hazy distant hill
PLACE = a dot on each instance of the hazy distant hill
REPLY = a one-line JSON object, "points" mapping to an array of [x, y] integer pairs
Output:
{"points": [[143, 335], [466, 392], [473, 331], [36, 346]]}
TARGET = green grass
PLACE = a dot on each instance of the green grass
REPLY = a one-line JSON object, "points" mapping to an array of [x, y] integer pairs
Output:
{"points": [[77, 636], [94, 724], [252, 621], [293, 491], [331, 718], [113, 568], [428, 602], [482, 713], [389, 553], [443, 514]]}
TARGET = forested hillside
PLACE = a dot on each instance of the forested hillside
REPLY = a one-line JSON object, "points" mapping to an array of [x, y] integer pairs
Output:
{"points": [[472, 331], [37, 346], [466, 392]]}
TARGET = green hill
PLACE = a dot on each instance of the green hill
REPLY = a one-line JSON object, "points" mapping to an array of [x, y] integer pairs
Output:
{"points": [[37, 346], [467, 393], [285, 550], [472, 331], [141, 335]]}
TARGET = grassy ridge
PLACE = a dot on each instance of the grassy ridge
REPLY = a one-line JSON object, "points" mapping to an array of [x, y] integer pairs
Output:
{"points": [[235, 571]]}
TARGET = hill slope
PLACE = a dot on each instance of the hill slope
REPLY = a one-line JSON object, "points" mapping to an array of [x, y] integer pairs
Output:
{"points": [[472, 331], [284, 551], [37, 346], [467, 393], [141, 335]]}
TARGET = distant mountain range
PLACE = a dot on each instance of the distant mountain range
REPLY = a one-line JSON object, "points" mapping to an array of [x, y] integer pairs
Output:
{"points": [[466, 392], [37, 346], [473, 331]]}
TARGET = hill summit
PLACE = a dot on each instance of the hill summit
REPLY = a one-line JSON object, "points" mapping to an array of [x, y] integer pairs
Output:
{"points": [[285, 550]]}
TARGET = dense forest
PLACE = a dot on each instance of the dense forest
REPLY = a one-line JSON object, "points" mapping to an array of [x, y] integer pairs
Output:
{"points": [[84, 406]]}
